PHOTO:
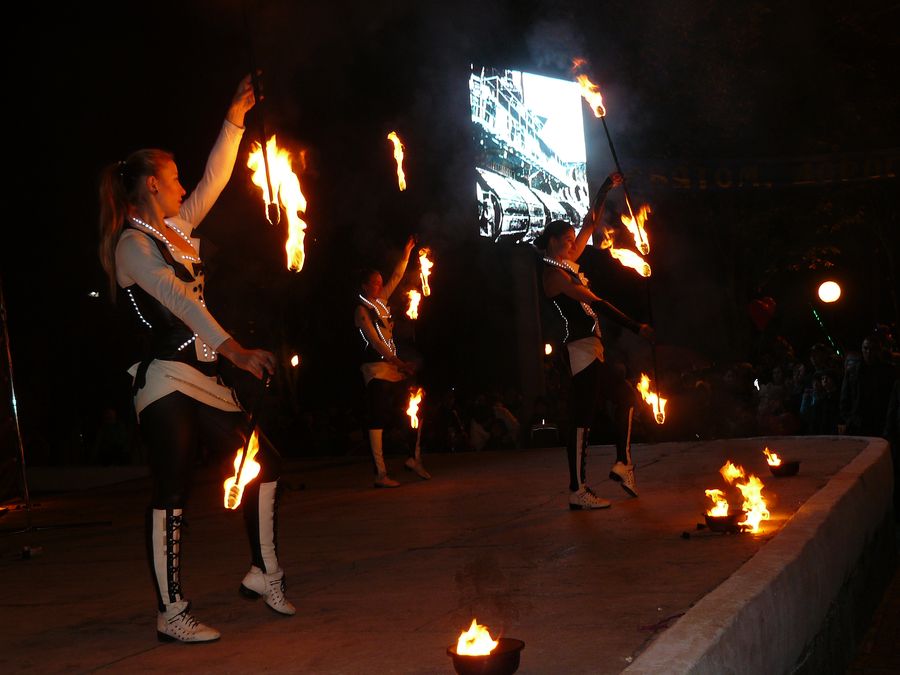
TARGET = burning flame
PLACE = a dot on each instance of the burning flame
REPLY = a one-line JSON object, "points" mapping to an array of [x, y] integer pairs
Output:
{"points": [[772, 458], [548, 349], [624, 256], [413, 410], [295, 360], [589, 91], [286, 186], [754, 504], [656, 402], [425, 266], [476, 641], [719, 508], [233, 493], [635, 225], [414, 297], [398, 157]]}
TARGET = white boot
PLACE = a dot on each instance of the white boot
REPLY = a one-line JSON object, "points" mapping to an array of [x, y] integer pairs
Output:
{"points": [[415, 465], [266, 582], [176, 624], [382, 480], [270, 587]]}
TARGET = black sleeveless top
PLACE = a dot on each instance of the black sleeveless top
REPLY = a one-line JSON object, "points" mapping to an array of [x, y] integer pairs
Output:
{"points": [[369, 353], [570, 321], [167, 337]]}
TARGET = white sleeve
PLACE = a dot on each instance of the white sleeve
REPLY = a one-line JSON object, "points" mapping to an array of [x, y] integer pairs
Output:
{"points": [[215, 177], [139, 261]]}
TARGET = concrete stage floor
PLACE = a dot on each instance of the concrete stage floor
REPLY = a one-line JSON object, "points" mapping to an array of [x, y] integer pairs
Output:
{"points": [[385, 580]]}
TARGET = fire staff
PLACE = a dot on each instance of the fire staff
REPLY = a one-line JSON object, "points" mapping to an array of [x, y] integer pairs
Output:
{"points": [[152, 258], [386, 376], [593, 379]]}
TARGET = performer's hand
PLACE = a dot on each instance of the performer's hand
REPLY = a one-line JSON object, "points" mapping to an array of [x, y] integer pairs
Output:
{"points": [[646, 332], [256, 361], [410, 244], [243, 100]]}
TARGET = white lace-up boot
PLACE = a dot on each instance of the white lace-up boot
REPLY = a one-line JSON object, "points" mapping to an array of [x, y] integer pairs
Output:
{"points": [[177, 624], [266, 582]]}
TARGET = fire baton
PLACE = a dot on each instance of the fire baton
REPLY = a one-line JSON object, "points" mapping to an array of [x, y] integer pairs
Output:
{"points": [[235, 492], [257, 93], [645, 247]]}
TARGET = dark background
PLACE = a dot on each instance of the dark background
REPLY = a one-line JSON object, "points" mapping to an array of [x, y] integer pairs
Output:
{"points": [[687, 84]]}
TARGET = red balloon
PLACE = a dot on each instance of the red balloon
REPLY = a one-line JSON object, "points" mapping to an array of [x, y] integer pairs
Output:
{"points": [[761, 312]]}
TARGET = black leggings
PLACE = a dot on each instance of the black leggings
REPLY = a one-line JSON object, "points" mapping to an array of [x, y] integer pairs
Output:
{"points": [[598, 383], [385, 402], [172, 429]]}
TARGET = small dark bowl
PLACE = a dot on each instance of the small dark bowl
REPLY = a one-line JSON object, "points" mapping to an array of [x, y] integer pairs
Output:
{"points": [[504, 660], [727, 523], [785, 469]]}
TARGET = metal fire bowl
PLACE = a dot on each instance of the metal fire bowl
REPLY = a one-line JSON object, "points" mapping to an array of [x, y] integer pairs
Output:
{"points": [[727, 523], [504, 660], [785, 469]]}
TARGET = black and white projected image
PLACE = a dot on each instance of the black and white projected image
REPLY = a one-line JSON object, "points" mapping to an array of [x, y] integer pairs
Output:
{"points": [[529, 152]]}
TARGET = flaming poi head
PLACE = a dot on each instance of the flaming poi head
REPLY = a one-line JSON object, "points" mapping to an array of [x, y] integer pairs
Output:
{"points": [[415, 397], [425, 266], [286, 187], [413, 311], [731, 472], [635, 225], [398, 157], [476, 641], [626, 257], [589, 91], [234, 486], [657, 403]]}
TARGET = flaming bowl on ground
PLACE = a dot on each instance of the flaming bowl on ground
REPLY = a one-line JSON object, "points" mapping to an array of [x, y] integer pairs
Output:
{"points": [[503, 660], [727, 523]]}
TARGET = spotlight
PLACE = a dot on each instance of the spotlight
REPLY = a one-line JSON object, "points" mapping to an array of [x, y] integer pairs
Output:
{"points": [[829, 292]]}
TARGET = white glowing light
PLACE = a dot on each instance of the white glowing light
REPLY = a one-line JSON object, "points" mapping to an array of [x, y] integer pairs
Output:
{"points": [[829, 291]]}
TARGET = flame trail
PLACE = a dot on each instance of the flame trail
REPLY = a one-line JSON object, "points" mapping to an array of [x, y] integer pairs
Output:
{"points": [[398, 157], [657, 403], [413, 410], [425, 266], [234, 486], [414, 297]]}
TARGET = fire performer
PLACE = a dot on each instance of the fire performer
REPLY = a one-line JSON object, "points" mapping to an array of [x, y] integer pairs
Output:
{"points": [[593, 379], [153, 262], [386, 376]]}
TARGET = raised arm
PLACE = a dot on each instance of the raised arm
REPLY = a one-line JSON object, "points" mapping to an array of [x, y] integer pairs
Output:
{"points": [[399, 271], [593, 217], [221, 159]]}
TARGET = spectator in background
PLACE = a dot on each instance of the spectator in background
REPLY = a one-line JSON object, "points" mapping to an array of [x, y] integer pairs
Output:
{"points": [[824, 412], [866, 391]]}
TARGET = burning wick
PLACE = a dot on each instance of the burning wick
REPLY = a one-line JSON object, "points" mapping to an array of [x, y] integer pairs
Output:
{"points": [[635, 225], [548, 349], [413, 410], [624, 256], [295, 360], [414, 297], [589, 91], [772, 458], [286, 186], [425, 266], [476, 641], [234, 492], [657, 403], [398, 157]]}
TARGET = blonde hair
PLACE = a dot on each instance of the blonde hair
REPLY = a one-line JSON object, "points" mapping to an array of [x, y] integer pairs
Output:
{"points": [[123, 188]]}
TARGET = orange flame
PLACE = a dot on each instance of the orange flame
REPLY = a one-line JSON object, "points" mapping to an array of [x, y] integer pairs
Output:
{"points": [[413, 410], [624, 256], [589, 91], [731, 472], [398, 157], [657, 403], [772, 458], [635, 225], [425, 266], [720, 504], [233, 493], [414, 297], [286, 186], [754, 504], [476, 641]]}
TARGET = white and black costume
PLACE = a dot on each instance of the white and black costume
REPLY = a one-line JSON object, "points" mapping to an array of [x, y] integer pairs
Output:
{"points": [[178, 397]]}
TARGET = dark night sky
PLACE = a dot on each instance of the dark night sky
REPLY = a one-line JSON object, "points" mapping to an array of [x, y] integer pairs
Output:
{"points": [[692, 82]]}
